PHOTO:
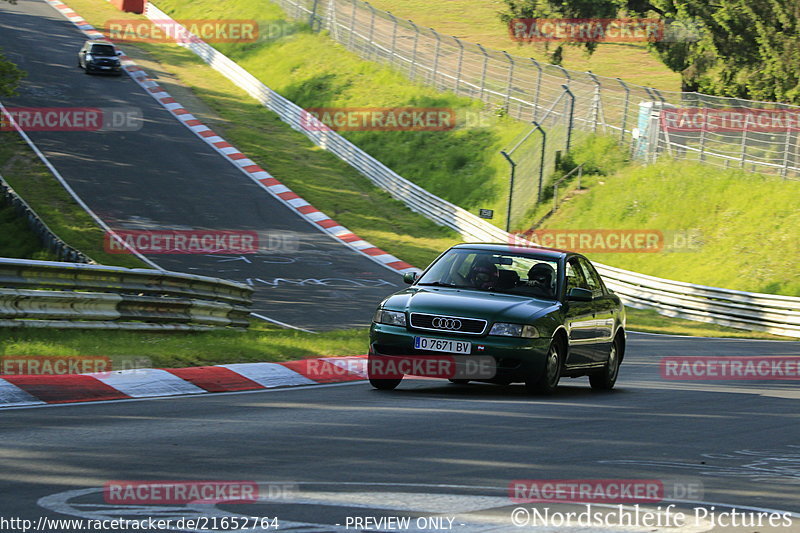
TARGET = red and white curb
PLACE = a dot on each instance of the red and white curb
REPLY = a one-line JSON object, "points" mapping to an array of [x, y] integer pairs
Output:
{"points": [[31, 390], [281, 192]]}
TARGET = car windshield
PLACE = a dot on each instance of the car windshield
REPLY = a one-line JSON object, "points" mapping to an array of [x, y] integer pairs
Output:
{"points": [[103, 50], [506, 272]]}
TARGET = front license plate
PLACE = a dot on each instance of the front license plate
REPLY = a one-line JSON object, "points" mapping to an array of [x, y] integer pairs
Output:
{"points": [[442, 345]]}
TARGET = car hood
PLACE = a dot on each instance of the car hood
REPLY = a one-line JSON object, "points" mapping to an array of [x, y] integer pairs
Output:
{"points": [[492, 306]]}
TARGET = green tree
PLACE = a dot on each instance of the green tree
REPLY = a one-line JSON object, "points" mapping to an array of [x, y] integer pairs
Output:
{"points": [[744, 49]]}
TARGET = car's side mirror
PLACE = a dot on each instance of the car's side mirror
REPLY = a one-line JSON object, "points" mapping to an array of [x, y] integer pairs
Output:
{"points": [[410, 277], [119, 52], [576, 294]]}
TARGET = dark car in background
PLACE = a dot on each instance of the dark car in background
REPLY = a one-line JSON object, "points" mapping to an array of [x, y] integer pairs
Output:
{"points": [[100, 57], [540, 314]]}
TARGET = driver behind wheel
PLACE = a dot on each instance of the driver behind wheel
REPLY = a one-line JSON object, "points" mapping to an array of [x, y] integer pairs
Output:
{"points": [[484, 274], [540, 278]]}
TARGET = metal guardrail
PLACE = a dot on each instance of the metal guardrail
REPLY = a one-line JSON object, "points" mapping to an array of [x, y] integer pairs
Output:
{"points": [[753, 311], [49, 240], [63, 295]]}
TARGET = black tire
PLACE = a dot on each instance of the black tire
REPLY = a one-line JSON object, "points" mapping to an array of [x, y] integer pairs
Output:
{"points": [[546, 382], [385, 384], [606, 379], [458, 381]]}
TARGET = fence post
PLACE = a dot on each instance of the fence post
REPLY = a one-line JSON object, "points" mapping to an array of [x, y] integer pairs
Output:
{"points": [[483, 72], [352, 25], [566, 74], [312, 19], [625, 109], [510, 81], [786, 147], [371, 32], [538, 89], [460, 62], [394, 37], [510, 189], [435, 57], [541, 161], [744, 145], [413, 66], [571, 113], [595, 101]]}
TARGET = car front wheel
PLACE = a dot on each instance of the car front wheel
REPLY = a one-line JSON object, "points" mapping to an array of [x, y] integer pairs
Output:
{"points": [[605, 379], [546, 382]]}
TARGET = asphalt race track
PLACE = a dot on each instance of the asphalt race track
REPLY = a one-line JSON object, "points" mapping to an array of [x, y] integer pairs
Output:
{"points": [[163, 177], [427, 449]]}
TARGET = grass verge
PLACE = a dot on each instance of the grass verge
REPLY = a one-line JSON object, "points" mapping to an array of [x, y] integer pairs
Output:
{"points": [[172, 350]]}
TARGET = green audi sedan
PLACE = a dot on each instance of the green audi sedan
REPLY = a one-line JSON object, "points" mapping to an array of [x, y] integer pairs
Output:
{"points": [[537, 314]]}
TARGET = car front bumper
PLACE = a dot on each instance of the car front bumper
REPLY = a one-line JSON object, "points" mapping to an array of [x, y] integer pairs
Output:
{"points": [[516, 359]]}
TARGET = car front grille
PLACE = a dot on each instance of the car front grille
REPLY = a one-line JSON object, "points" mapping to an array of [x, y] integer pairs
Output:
{"points": [[448, 324]]}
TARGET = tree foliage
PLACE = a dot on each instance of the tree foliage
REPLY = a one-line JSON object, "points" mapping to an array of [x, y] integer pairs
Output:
{"points": [[745, 49], [10, 75]]}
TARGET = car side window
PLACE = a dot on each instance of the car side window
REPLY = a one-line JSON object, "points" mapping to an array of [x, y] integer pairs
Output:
{"points": [[575, 277], [592, 278]]}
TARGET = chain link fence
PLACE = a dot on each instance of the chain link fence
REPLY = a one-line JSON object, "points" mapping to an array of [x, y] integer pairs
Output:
{"points": [[683, 125]]}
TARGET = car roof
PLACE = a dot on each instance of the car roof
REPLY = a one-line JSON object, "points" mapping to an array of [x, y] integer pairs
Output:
{"points": [[494, 247], [95, 41]]}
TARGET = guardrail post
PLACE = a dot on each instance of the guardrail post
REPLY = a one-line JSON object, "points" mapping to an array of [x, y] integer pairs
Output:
{"points": [[510, 189], [571, 113], [460, 62], [625, 109]]}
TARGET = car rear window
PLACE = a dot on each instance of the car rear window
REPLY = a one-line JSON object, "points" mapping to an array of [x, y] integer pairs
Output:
{"points": [[103, 50]]}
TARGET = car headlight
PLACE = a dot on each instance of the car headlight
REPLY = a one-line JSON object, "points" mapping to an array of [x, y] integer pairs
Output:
{"points": [[392, 318], [514, 330]]}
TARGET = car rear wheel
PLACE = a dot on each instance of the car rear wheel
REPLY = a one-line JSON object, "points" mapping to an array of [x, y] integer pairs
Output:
{"points": [[546, 382], [606, 379]]}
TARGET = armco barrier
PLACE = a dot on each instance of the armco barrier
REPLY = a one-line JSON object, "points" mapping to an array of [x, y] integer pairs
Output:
{"points": [[64, 295], [746, 310]]}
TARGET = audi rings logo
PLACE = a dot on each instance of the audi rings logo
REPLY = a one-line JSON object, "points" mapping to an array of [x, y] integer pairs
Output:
{"points": [[446, 323]]}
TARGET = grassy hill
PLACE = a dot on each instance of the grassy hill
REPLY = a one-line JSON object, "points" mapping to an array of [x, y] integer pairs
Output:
{"points": [[477, 21]]}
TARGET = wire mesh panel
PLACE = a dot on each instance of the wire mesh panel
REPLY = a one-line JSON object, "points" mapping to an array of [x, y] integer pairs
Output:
{"points": [[525, 89]]}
